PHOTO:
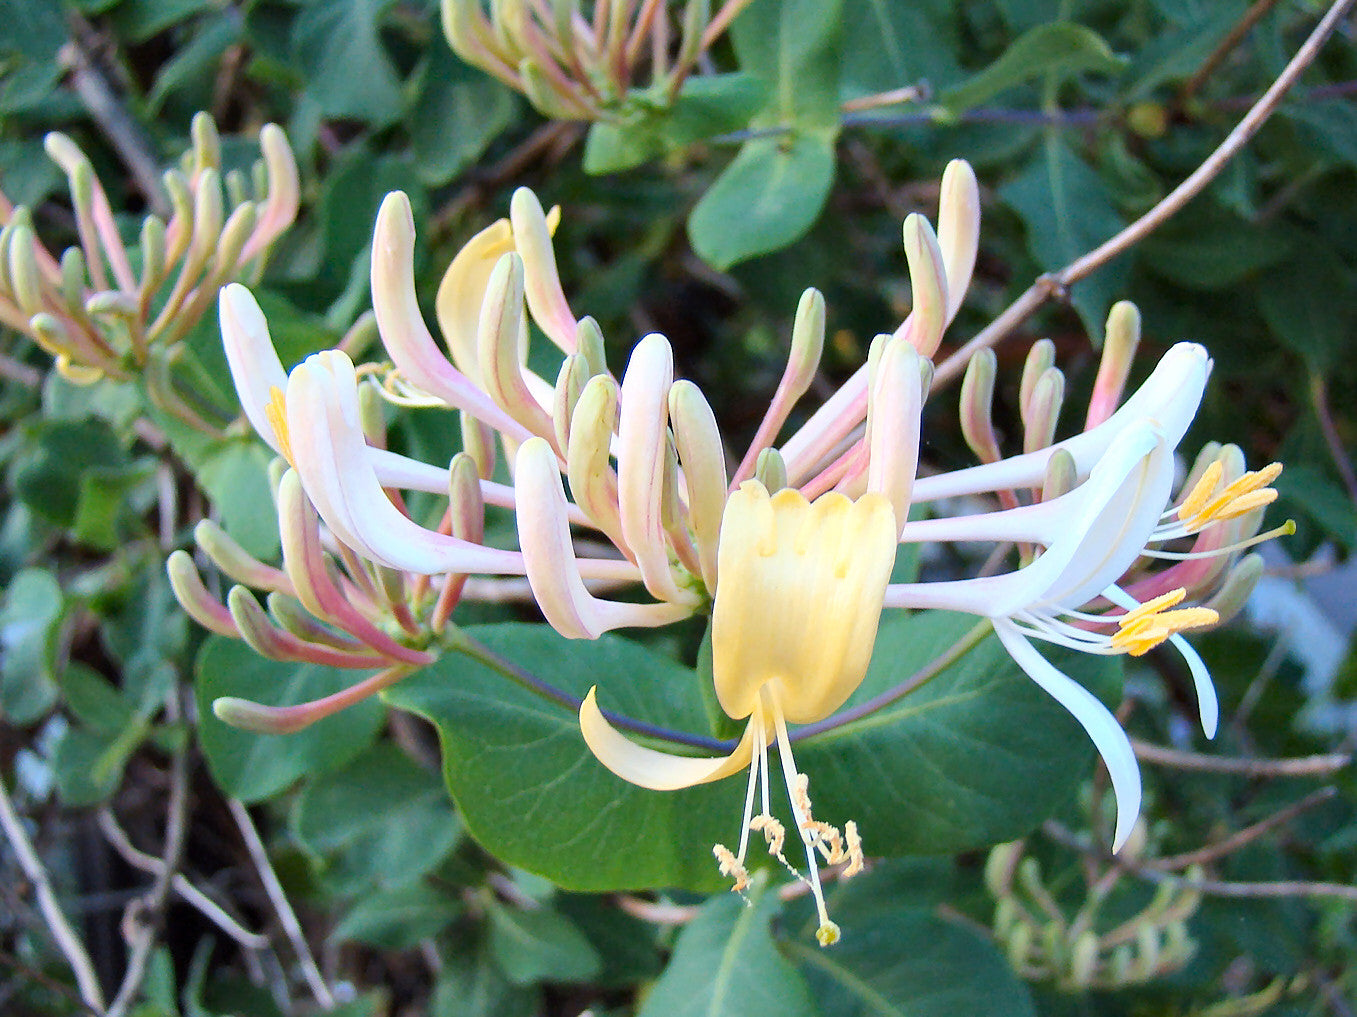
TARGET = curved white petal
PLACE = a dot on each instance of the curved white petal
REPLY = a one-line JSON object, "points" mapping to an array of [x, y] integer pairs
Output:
{"points": [[255, 367], [650, 768], [404, 333], [1093, 535], [549, 557], [1095, 718], [1169, 397]]}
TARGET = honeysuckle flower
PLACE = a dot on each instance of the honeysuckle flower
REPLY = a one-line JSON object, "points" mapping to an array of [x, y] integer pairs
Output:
{"points": [[624, 481], [101, 318], [795, 618]]}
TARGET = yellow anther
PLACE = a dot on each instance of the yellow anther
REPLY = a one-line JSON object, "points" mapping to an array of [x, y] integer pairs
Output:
{"points": [[773, 832], [1144, 628], [854, 849], [276, 411], [730, 866], [1201, 491], [1159, 603], [1249, 492]]}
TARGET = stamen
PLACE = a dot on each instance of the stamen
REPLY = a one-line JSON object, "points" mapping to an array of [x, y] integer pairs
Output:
{"points": [[730, 866], [774, 833], [853, 851], [1201, 491], [1170, 599], [276, 412], [1285, 530], [1145, 627], [1249, 492]]}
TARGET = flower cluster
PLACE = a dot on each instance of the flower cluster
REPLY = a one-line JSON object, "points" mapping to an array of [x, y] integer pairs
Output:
{"points": [[574, 65], [791, 551], [95, 313]]}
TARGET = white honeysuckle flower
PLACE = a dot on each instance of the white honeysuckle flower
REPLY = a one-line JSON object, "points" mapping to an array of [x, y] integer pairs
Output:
{"points": [[1092, 536], [794, 621]]}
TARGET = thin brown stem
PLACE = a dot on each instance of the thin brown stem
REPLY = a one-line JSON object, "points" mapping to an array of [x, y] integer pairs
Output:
{"points": [[36, 873], [1217, 56], [1319, 396], [1299, 766], [1047, 286], [282, 907], [1297, 888], [1240, 838]]}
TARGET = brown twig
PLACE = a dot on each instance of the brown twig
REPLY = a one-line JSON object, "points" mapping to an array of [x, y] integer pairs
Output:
{"points": [[1050, 285], [191, 895], [1217, 56], [1061, 834], [144, 916], [1240, 838], [281, 906], [117, 124], [1300, 766], [1319, 396], [66, 940]]}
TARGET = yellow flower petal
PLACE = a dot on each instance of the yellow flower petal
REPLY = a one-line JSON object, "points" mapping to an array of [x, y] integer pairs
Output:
{"points": [[798, 598], [650, 768], [462, 291]]}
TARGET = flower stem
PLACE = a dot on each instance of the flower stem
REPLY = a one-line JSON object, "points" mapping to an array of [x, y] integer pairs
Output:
{"points": [[482, 654], [913, 683]]}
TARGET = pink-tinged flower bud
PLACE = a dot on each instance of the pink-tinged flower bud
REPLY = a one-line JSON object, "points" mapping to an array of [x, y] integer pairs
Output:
{"points": [[1040, 358], [704, 470], [1119, 351], [977, 406], [501, 347], [893, 411], [928, 283], [958, 229], [542, 283], [154, 269], [235, 562], [288, 613], [642, 425], [193, 597], [24, 277], [1238, 586], [205, 152], [269, 641], [282, 191], [593, 484], [570, 382], [1041, 413]]}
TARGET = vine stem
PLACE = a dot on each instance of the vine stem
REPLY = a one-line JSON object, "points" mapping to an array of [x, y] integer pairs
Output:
{"points": [[1052, 285], [34, 871]]}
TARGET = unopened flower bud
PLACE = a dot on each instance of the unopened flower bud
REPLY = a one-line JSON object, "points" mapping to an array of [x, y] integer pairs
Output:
{"points": [[704, 469], [234, 561], [1084, 955], [1061, 475], [570, 382], [958, 229], [771, 470], [589, 344], [1119, 350], [808, 344], [977, 406], [193, 597], [1000, 866], [1040, 359], [206, 143], [1042, 410], [1238, 586], [542, 284], [478, 441], [928, 283]]}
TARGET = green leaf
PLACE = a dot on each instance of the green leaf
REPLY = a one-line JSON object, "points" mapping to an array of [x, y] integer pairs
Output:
{"points": [[400, 918], [31, 612], [472, 985], [626, 946], [726, 964], [1068, 211], [976, 756], [49, 479], [193, 65], [381, 820], [253, 767], [527, 786], [34, 32], [348, 71], [908, 962], [793, 45], [767, 198], [1308, 304], [88, 766], [235, 476], [459, 112], [1061, 50], [94, 701], [537, 944]]}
